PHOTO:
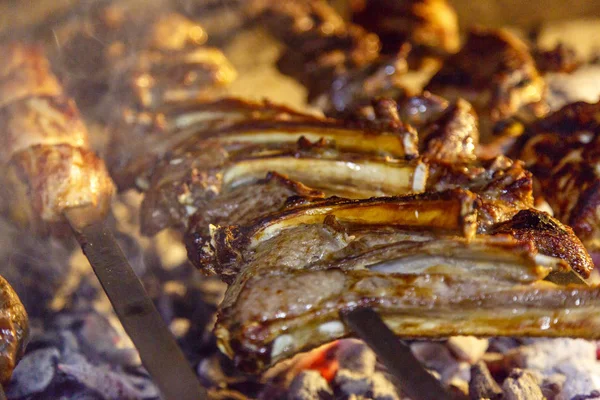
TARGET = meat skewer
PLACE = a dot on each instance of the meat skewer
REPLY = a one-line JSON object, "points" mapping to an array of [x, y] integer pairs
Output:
{"points": [[54, 180]]}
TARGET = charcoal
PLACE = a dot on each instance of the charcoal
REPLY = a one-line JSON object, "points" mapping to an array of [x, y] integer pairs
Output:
{"points": [[34, 373], [467, 348], [521, 385], [482, 385], [352, 383], [355, 355], [382, 388], [552, 386], [309, 385], [434, 356]]}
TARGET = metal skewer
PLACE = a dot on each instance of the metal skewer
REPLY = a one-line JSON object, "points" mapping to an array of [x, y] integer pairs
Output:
{"points": [[158, 349], [413, 379]]}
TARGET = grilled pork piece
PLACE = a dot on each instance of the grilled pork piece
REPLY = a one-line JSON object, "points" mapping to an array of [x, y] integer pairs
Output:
{"points": [[47, 165], [429, 25], [561, 151], [413, 259], [15, 330], [496, 73], [143, 58]]}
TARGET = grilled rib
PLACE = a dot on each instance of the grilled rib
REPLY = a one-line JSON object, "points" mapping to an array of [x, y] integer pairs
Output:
{"points": [[413, 273], [232, 121], [192, 175], [48, 166]]}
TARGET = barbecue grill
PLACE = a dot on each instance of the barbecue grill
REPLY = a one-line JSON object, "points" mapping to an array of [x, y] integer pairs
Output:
{"points": [[83, 346]]}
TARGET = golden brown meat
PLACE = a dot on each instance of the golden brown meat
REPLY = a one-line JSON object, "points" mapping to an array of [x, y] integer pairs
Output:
{"points": [[47, 167], [495, 71], [14, 328]]}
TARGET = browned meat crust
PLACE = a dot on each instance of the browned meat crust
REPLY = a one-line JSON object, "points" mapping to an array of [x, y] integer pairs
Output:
{"points": [[503, 186], [451, 212], [562, 152], [496, 73], [15, 330], [428, 24], [561, 58], [550, 237], [47, 166]]}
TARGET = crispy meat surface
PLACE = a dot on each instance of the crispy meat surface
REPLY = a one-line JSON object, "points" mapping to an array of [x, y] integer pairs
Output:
{"points": [[561, 151], [43, 181], [15, 330], [495, 71], [428, 24]]}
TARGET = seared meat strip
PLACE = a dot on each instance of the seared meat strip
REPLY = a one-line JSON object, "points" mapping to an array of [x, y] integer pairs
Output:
{"points": [[233, 121], [48, 167], [496, 73], [561, 151], [429, 25]]}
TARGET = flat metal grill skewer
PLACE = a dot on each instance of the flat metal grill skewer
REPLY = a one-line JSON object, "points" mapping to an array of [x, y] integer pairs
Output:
{"points": [[412, 378], [158, 349]]}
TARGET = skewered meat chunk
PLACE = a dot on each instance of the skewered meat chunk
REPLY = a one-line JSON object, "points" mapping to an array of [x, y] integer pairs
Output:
{"points": [[15, 330], [320, 45], [145, 58], [496, 73], [428, 24], [24, 73], [48, 167], [420, 261], [561, 151]]}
